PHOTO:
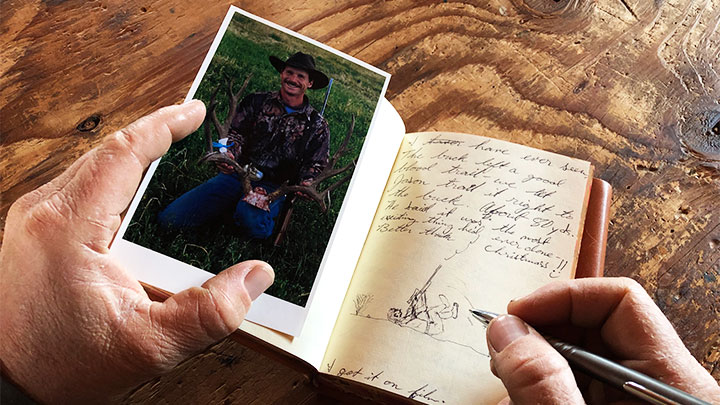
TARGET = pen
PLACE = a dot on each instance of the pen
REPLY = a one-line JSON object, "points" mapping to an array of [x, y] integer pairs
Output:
{"points": [[621, 377]]}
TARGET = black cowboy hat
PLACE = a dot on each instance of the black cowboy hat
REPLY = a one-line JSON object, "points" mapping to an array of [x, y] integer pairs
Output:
{"points": [[305, 62]]}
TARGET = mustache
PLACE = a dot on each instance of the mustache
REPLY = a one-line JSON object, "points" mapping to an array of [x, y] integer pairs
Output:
{"points": [[289, 81]]}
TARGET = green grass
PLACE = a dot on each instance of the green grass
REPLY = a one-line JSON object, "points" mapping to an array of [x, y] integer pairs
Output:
{"points": [[243, 50]]}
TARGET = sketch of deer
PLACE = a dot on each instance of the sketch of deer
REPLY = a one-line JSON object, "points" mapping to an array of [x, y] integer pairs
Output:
{"points": [[313, 190]]}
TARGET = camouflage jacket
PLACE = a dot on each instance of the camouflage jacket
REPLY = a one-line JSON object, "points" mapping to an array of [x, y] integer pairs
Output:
{"points": [[284, 146]]}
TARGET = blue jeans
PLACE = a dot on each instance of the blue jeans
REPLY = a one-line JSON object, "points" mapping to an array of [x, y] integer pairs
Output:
{"points": [[217, 197]]}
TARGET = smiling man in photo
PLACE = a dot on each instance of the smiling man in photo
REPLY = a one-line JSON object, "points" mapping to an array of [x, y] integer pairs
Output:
{"points": [[279, 137]]}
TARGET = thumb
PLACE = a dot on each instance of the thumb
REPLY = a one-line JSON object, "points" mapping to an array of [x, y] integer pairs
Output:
{"points": [[531, 370], [200, 316]]}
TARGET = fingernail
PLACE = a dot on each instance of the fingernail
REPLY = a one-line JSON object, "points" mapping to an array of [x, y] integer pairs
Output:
{"points": [[194, 104], [504, 330], [258, 280], [518, 298]]}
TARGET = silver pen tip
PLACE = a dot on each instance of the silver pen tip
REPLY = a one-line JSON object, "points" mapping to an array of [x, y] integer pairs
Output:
{"points": [[484, 316]]}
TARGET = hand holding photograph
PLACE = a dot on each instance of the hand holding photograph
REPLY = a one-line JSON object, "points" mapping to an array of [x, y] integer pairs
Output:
{"points": [[266, 176]]}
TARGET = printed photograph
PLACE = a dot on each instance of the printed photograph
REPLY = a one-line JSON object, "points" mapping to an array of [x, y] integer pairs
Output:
{"points": [[265, 176]]}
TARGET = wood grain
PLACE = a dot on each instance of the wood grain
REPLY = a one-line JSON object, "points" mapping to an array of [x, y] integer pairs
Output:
{"points": [[633, 86]]}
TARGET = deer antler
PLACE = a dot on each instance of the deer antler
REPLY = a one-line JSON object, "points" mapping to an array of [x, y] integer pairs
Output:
{"points": [[211, 116], [223, 129], [312, 190]]}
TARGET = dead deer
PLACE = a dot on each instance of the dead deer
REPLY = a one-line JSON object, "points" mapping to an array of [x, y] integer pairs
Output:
{"points": [[313, 190]]}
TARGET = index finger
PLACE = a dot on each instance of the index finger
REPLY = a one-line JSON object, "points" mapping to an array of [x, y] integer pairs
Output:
{"points": [[583, 302], [619, 307], [629, 323]]}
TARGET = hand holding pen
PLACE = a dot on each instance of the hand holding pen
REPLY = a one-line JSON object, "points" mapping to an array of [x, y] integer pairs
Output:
{"points": [[614, 318]]}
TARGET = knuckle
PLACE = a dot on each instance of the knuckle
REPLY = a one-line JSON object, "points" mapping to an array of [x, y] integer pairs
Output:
{"points": [[224, 313], [632, 287], [208, 316], [22, 206], [47, 215], [128, 135], [629, 282], [122, 143], [142, 139], [536, 370], [543, 377]]}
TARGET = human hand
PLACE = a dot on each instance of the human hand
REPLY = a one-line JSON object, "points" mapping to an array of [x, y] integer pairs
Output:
{"points": [[224, 167], [76, 327], [612, 317], [307, 182]]}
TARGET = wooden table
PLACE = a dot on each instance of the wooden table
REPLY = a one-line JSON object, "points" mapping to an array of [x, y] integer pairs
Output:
{"points": [[631, 85]]}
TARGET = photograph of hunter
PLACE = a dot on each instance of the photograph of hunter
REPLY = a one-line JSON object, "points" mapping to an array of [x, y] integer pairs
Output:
{"points": [[277, 145], [267, 174]]}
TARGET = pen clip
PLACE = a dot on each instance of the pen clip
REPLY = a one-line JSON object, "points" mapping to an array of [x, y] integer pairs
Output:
{"points": [[646, 394]]}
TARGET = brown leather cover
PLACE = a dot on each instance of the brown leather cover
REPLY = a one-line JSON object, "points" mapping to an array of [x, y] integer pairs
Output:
{"points": [[591, 259]]}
